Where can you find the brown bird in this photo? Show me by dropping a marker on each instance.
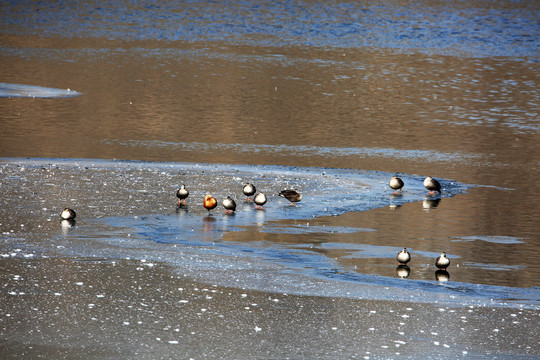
(403, 256)
(396, 184)
(209, 202)
(442, 261)
(291, 195)
(249, 190)
(259, 200)
(432, 185)
(182, 195)
(229, 204)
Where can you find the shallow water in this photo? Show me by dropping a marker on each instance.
(332, 98)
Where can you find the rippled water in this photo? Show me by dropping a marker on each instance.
(331, 97)
(500, 29)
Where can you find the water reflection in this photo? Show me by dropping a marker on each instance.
(67, 225)
(395, 197)
(182, 209)
(442, 275)
(209, 223)
(403, 271)
(260, 214)
(430, 203)
(230, 213)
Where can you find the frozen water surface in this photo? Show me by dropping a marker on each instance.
(99, 306)
(184, 281)
(492, 239)
(21, 90)
(128, 210)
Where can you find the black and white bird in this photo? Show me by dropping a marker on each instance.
(229, 204)
(260, 200)
(68, 214)
(182, 195)
(432, 185)
(403, 256)
(396, 184)
(249, 190)
(442, 261)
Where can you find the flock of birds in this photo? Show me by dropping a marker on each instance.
(210, 202)
(293, 196)
(403, 257)
(442, 262)
(429, 183)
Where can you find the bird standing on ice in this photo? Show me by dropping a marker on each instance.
(209, 202)
(249, 190)
(396, 184)
(260, 200)
(182, 195)
(432, 185)
(291, 195)
(229, 205)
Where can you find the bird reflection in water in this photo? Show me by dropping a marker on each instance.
(67, 225)
(395, 196)
(403, 271)
(398, 195)
(429, 203)
(208, 224)
(182, 209)
(442, 275)
(259, 217)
